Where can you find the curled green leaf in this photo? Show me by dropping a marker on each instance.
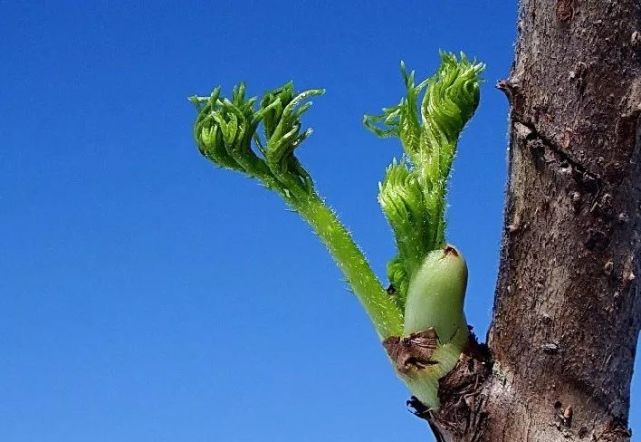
(412, 194)
(227, 133)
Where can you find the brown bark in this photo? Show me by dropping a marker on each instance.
(567, 310)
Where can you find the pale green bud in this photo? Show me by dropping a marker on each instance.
(436, 293)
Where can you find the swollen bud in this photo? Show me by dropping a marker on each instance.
(435, 331)
(436, 293)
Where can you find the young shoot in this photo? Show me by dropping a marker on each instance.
(428, 276)
(421, 323)
(259, 138)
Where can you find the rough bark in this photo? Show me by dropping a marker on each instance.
(567, 309)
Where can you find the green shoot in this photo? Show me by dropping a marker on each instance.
(412, 194)
(228, 132)
(428, 277)
(422, 326)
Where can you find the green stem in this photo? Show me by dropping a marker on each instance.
(384, 313)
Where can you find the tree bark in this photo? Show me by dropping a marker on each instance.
(567, 311)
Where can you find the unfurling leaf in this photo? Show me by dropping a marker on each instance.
(412, 194)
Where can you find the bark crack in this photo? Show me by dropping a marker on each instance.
(531, 135)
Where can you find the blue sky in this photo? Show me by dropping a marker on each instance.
(146, 295)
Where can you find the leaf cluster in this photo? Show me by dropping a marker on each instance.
(412, 194)
(228, 132)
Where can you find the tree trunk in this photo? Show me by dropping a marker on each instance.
(567, 311)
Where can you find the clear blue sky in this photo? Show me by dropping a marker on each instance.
(146, 295)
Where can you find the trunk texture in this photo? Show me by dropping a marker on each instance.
(567, 312)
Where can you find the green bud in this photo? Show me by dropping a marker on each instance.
(435, 332)
(436, 294)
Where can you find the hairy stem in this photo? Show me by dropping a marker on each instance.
(384, 313)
